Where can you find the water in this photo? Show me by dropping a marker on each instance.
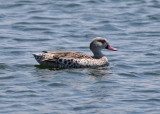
(129, 85)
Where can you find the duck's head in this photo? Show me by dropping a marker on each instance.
(98, 44)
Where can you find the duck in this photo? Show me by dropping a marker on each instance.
(68, 59)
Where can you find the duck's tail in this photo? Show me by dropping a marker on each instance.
(38, 56)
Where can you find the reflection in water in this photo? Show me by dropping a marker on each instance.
(97, 73)
(100, 72)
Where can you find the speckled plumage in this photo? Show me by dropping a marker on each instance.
(67, 59)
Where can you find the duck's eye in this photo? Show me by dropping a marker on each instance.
(103, 41)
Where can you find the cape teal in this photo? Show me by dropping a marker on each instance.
(67, 59)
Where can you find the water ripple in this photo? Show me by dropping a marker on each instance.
(130, 84)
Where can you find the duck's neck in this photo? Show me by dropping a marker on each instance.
(97, 54)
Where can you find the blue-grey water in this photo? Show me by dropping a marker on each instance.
(130, 84)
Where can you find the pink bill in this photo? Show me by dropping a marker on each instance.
(111, 48)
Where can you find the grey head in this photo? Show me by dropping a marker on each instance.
(99, 43)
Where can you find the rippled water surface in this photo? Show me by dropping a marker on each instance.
(130, 84)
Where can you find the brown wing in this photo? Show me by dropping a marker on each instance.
(55, 55)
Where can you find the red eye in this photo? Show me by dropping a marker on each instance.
(103, 41)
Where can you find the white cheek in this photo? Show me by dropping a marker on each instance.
(99, 44)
